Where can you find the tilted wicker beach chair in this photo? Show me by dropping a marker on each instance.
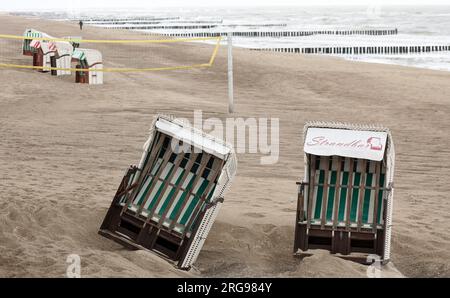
(88, 59)
(345, 200)
(169, 202)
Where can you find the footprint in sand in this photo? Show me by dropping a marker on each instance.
(254, 215)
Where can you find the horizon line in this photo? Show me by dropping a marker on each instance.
(59, 9)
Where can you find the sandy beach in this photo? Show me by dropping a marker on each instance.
(65, 146)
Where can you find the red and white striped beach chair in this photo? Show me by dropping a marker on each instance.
(42, 51)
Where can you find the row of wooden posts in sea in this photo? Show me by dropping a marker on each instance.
(174, 25)
(163, 27)
(112, 20)
(362, 50)
(282, 33)
(150, 22)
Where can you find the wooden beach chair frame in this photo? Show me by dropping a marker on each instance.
(168, 203)
(345, 200)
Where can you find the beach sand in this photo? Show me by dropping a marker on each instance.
(64, 148)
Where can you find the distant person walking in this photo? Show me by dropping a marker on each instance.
(81, 25)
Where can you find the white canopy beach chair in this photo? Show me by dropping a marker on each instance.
(345, 200)
(92, 60)
(48, 50)
(62, 58)
(169, 202)
(42, 51)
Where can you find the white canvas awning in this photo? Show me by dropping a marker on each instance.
(193, 137)
(348, 143)
(91, 56)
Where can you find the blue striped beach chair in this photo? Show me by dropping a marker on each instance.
(345, 200)
(168, 203)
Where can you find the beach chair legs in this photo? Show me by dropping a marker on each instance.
(341, 243)
(355, 246)
(135, 232)
(81, 77)
(300, 241)
(53, 72)
(38, 59)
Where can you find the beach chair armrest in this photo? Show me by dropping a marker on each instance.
(390, 186)
(96, 63)
(214, 202)
(301, 188)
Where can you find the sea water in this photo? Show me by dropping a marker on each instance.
(417, 25)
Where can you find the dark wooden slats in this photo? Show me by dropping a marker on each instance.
(377, 190)
(349, 192)
(325, 192)
(206, 192)
(312, 178)
(188, 169)
(203, 163)
(150, 163)
(165, 161)
(337, 191)
(361, 192)
(165, 183)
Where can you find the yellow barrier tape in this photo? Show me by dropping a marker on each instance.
(47, 68)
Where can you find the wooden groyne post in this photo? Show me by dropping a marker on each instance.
(363, 50)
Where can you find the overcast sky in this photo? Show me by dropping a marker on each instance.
(70, 4)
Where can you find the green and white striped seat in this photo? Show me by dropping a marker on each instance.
(176, 187)
(337, 200)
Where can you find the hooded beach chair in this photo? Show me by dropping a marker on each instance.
(169, 202)
(91, 60)
(62, 59)
(345, 200)
(43, 50)
(29, 34)
(48, 50)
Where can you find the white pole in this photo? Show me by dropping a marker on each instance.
(230, 73)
